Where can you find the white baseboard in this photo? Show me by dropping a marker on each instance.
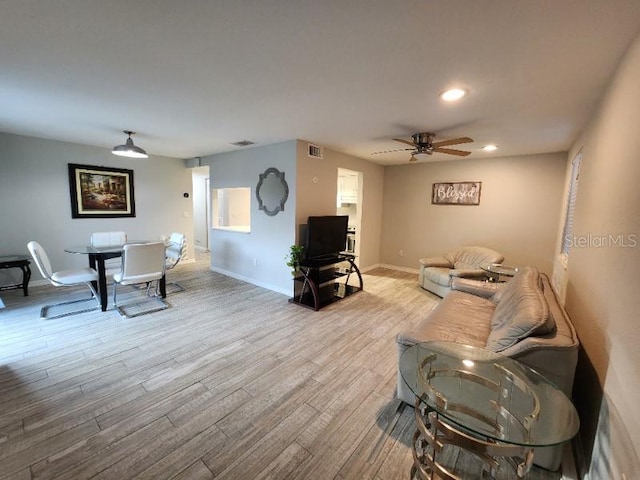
(391, 267)
(268, 286)
(288, 292)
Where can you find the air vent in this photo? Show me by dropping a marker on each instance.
(243, 143)
(314, 151)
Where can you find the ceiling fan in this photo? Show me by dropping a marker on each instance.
(423, 145)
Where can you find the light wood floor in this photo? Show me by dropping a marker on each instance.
(231, 382)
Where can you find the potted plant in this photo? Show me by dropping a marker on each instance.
(294, 257)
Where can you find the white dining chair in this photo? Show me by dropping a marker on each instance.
(176, 249)
(63, 278)
(142, 263)
(106, 239)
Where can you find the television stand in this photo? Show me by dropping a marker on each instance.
(316, 284)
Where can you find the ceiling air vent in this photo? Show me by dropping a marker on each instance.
(314, 151)
(243, 143)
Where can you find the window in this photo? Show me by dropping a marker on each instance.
(231, 209)
(567, 229)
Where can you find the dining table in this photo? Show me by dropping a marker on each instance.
(97, 257)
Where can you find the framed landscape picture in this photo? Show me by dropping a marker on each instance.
(99, 192)
(456, 193)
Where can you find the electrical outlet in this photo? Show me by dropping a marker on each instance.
(401, 253)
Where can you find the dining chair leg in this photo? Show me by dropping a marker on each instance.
(94, 296)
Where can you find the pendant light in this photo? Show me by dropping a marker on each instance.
(129, 149)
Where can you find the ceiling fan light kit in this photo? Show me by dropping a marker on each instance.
(129, 149)
(415, 156)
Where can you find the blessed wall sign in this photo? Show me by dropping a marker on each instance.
(456, 193)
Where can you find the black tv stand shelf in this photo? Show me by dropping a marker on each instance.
(316, 285)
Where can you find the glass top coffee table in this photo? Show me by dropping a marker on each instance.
(486, 403)
(496, 270)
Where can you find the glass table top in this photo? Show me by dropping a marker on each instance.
(89, 249)
(500, 269)
(488, 394)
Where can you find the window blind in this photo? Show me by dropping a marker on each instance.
(567, 229)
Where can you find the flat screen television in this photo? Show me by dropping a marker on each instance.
(326, 236)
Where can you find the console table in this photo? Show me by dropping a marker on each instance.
(316, 285)
(17, 261)
(486, 405)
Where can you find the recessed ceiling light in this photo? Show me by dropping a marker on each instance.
(489, 148)
(453, 94)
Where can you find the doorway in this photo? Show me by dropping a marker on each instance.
(349, 202)
(201, 208)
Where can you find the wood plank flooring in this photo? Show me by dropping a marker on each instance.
(231, 382)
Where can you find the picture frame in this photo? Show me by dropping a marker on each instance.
(456, 193)
(101, 192)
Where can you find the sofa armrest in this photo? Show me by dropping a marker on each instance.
(435, 262)
(468, 273)
(476, 287)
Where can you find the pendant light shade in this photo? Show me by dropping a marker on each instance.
(129, 149)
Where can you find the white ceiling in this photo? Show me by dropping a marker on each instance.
(192, 76)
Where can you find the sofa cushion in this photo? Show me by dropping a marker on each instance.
(464, 266)
(438, 275)
(460, 317)
(521, 311)
(473, 257)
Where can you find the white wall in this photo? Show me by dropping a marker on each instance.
(604, 278)
(35, 201)
(256, 257)
(517, 216)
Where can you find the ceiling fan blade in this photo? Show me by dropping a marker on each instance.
(391, 151)
(453, 141)
(402, 140)
(452, 151)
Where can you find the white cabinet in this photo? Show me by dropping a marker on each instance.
(348, 189)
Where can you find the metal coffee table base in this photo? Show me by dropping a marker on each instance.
(433, 434)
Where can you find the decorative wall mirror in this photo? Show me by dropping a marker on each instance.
(272, 191)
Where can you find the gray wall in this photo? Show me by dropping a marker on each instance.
(603, 279)
(258, 256)
(517, 216)
(34, 194)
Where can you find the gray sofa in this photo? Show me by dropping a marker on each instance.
(521, 319)
(437, 273)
